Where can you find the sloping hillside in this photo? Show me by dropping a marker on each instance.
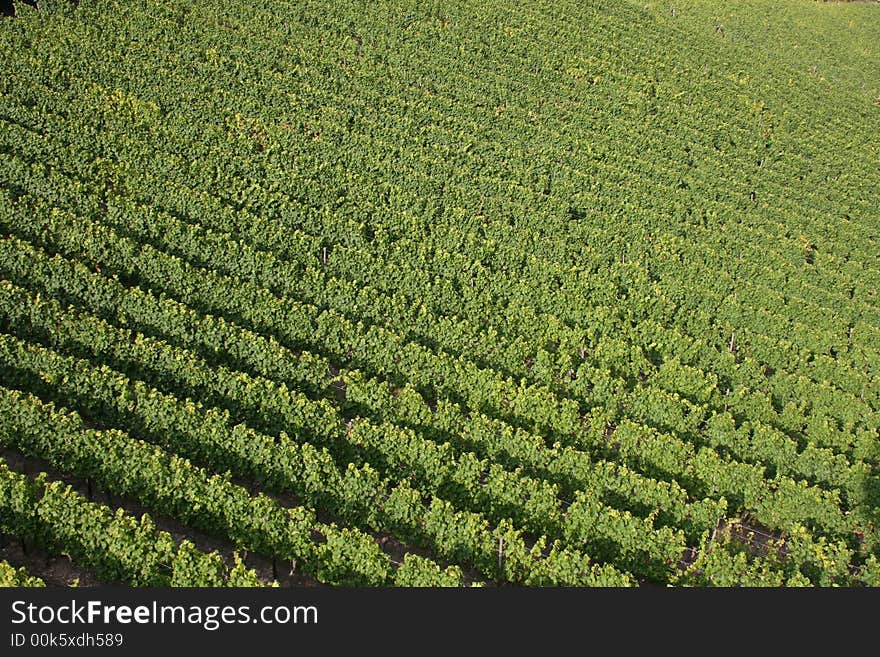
(440, 293)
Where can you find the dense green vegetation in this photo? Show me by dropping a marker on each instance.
(444, 293)
(10, 576)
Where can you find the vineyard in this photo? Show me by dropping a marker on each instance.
(440, 293)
